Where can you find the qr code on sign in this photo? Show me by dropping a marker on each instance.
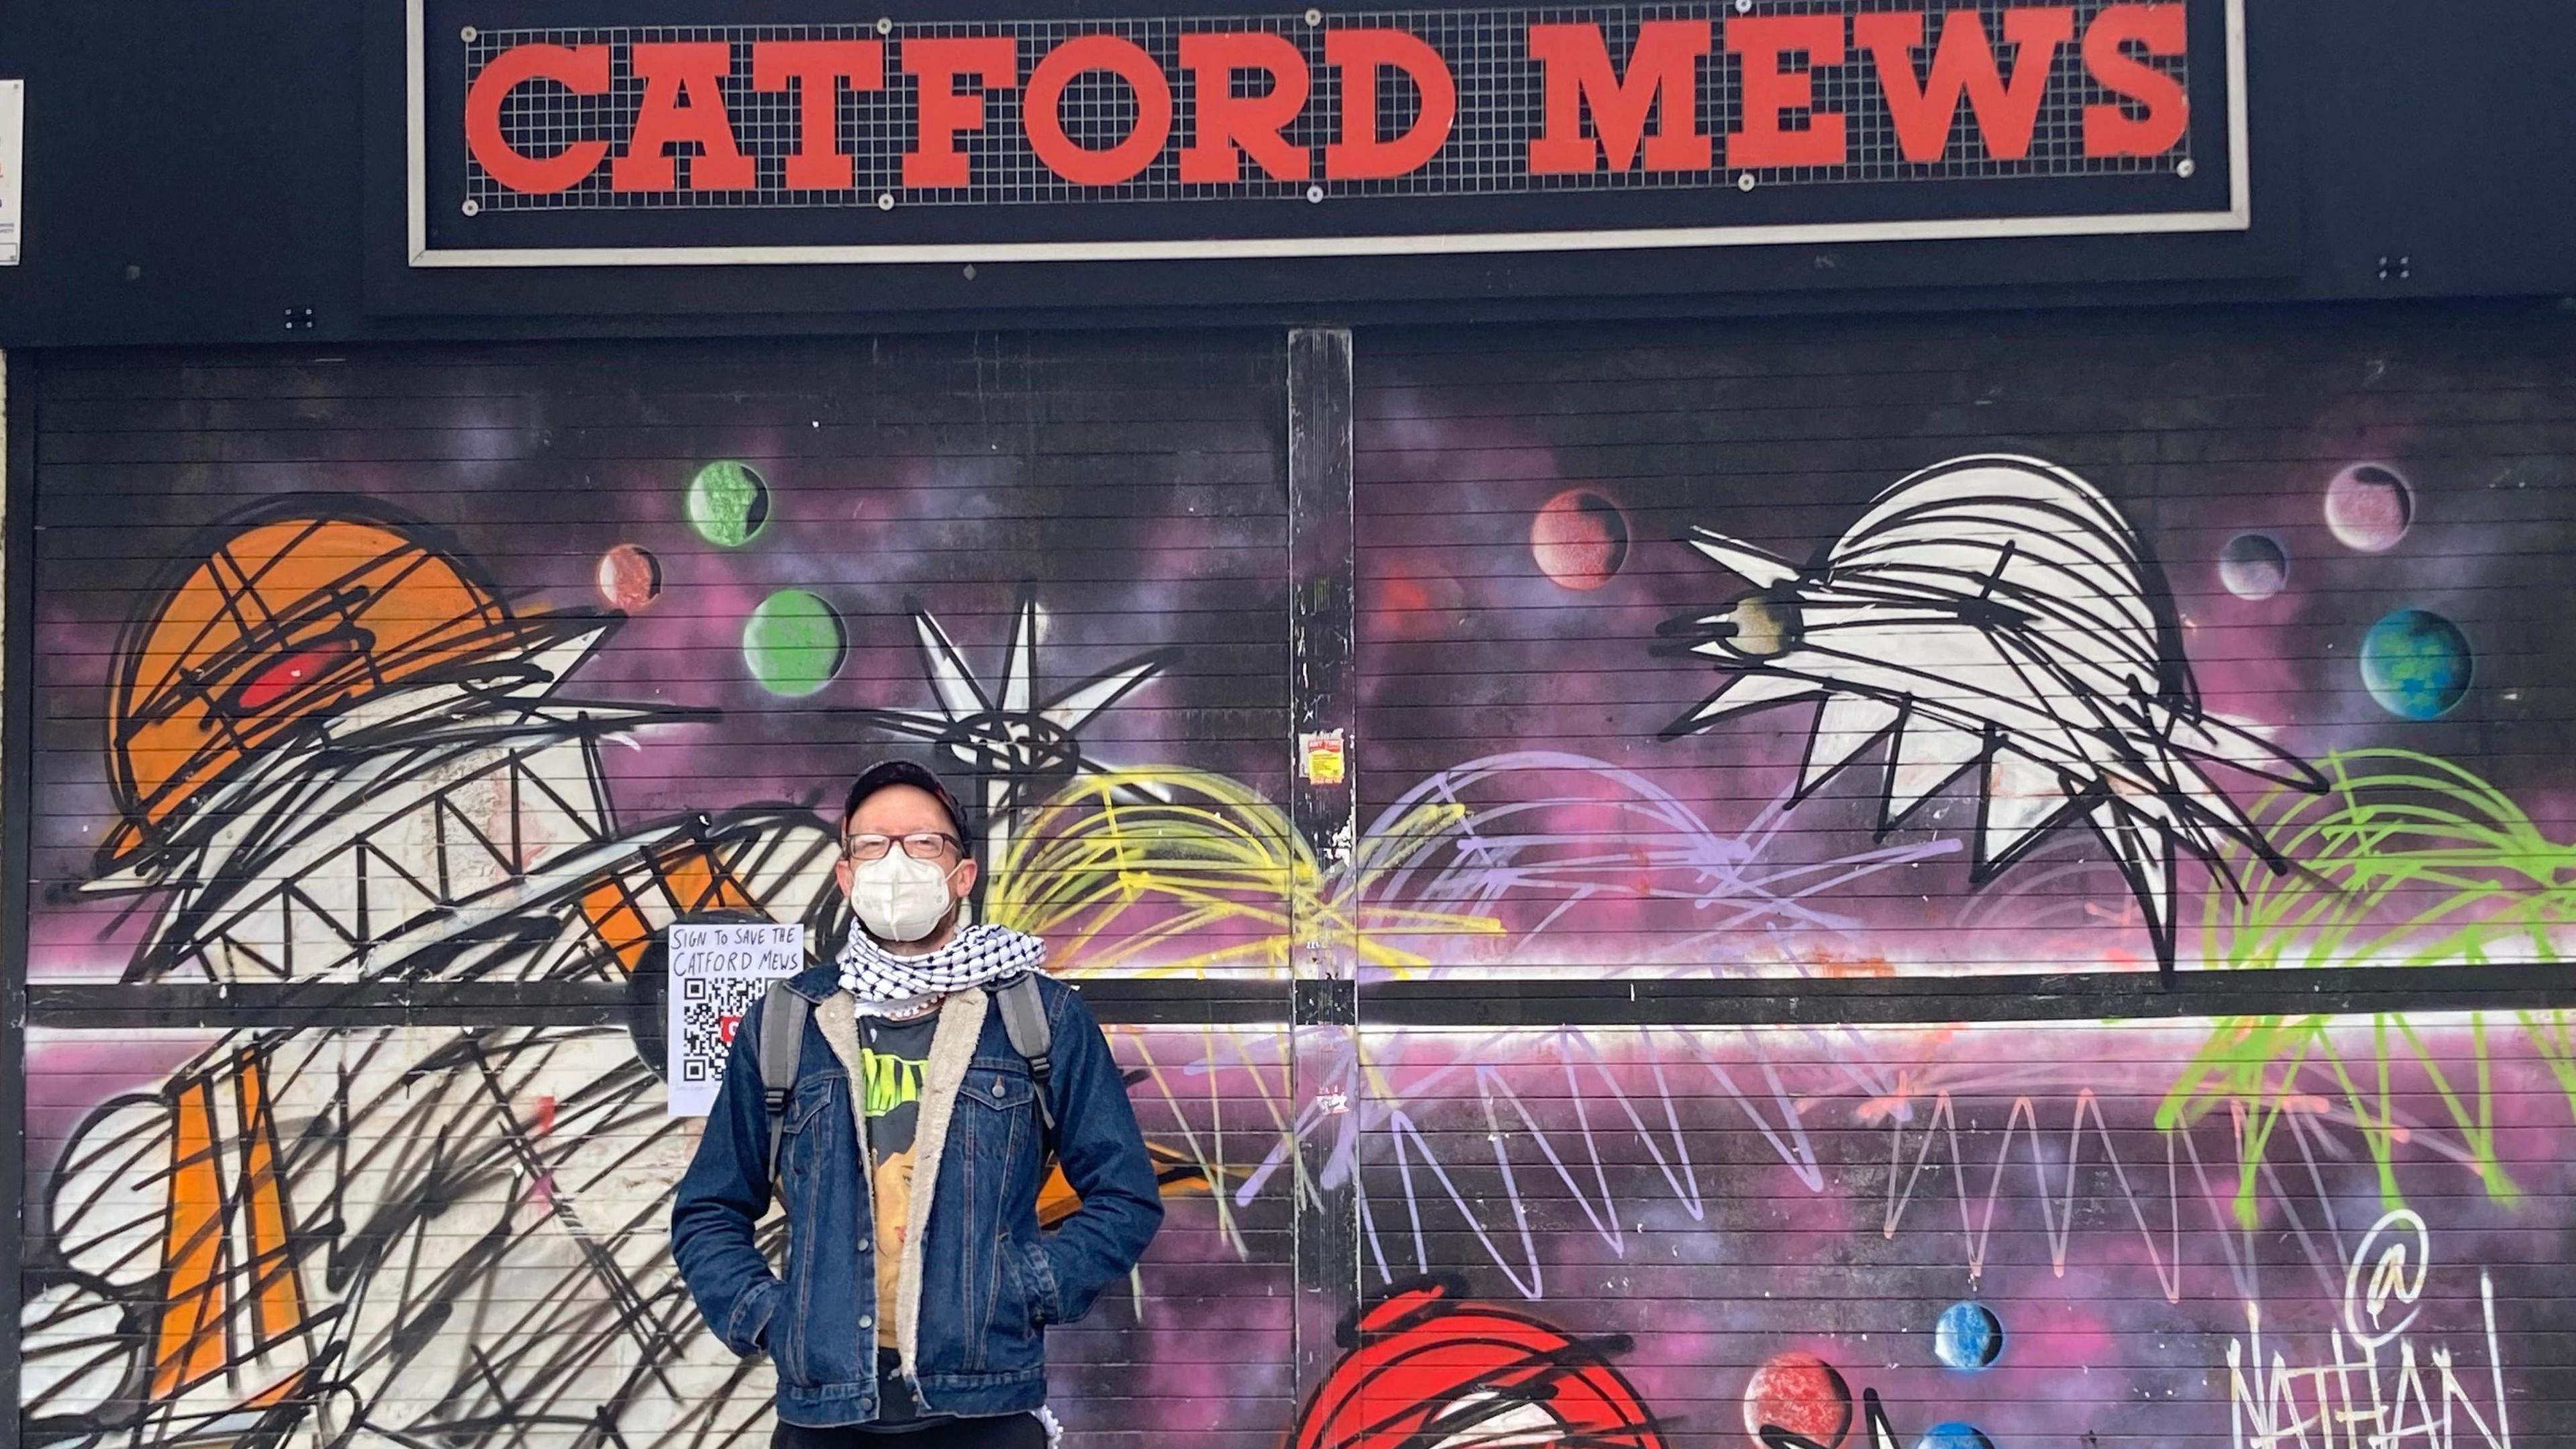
(717, 972)
(711, 1009)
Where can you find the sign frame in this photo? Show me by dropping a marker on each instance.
(421, 253)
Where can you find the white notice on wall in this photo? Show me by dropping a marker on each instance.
(13, 150)
(717, 972)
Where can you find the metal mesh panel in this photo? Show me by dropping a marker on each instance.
(1500, 98)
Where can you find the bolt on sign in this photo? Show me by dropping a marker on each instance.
(1435, 130)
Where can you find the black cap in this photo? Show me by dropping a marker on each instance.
(904, 772)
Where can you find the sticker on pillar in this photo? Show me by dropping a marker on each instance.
(13, 152)
(1322, 754)
(717, 972)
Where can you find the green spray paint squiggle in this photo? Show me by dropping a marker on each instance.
(2408, 860)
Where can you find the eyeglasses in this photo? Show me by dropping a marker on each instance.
(920, 845)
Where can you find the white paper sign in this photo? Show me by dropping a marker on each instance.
(717, 972)
(13, 150)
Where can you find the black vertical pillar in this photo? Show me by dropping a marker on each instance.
(17, 776)
(1323, 803)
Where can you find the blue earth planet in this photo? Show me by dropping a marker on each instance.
(2416, 663)
(1954, 1435)
(1969, 1336)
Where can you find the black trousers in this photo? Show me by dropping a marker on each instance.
(1010, 1431)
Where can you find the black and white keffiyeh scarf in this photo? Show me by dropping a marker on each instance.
(975, 955)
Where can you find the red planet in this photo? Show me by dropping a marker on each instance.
(1579, 539)
(629, 577)
(1801, 1393)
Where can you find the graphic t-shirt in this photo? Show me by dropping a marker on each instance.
(892, 1056)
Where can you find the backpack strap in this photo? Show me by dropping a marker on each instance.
(782, 1041)
(1024, 1020)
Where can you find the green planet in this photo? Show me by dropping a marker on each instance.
(2416, 663)
(794, 643)
(728, 503)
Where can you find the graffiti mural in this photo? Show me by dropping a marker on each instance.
(1429, 1367)
(352, 757)
(1684, 660)
(343, 757)
(1993, 615)
(1953, 664)
(1857, 1236)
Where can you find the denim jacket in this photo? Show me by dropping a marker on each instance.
(982, 1282)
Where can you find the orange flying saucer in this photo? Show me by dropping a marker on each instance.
(292, 618)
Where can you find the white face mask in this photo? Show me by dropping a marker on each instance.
(900, 899)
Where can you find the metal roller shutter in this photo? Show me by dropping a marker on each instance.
(1710, 1081)
(389, 703)
(1777, 1049)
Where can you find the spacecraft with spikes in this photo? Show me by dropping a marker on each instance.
(1995, 617)
(1018, 750)
(340, 758)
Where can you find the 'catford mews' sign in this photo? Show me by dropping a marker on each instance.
(538, 139)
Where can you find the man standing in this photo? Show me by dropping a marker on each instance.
(910, 1146)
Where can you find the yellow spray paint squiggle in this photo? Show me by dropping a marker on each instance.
(1167, 871)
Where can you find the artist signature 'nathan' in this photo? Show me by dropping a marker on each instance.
(2373, 1395)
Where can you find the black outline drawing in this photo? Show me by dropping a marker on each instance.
(1995, 614)
(1018, 750)
(393, 1232)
